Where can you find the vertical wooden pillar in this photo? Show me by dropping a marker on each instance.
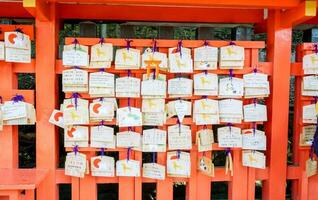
(278, 52)
(46, 94)
(9, 135)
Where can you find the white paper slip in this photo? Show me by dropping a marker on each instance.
(311, 167)
(253, 159)
(206, 166)
(75, 164)
(14, 110)
(205, 84)
(56, 118)
(75, 55)
(256, 85)
(253, 139)
(204, 140)
(75, 80)
(255, 113)
(180, 87)
(205, 58)
(129, 116)
(127, 139)
(76, 136)
(17, 55)
(17, 40)
(127, 58)
(231, 111)
(128, 168)
(232, 57)
(307, 135)
(171, 108)
(154, 88)
(206, 111)
(103, 166)
(153, 105)
(127, 87)
(102, 52)
(149, 55)
(231, 87)
(229, 137)
(102, 84)
(101, 110)
(178, 164)
(179, 137)
(153, 171)
(310, 64)
(154, 140)
(75, 111)
(102, 133)
(309, 114)
(180, 62)
(1, 50)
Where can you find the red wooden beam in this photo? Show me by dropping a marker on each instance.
(305, 11)
(159, 13)
(13, 10)
(38, 9)
(27, 29)
(194, 3)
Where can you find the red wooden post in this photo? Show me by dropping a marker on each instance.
(278, 52)
(46, 95)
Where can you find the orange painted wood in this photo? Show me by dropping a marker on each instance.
(140, 13)
(278, 52)
(21, 179)
(46, 95)
(202, 3)
(27, 29)
(9, 135)
(13, 10)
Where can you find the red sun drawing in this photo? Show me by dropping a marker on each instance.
(71, 131)
(96, 162)
(70, 106)
(248, 132)
(96, 108)
(11, 38)
(57, 116)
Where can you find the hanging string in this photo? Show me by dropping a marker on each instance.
(128, 43)
(75, 96)
(232, 43)
(101, 41)
(101, 99)
(17, 98)
(1, 101)
(154, 46)
(254, 128)
(206, 43)
(178, 154)
(129, 72)
(75, 42)
(102, 151)
(75, 149)
(102, 69)
(255, 102)
(128, 153)
(153, 157)
(231, 73)
(19, 30)
(316, 48)
(179, 47)
(255, 70)
(102, 123)
(154, 74)
(129, 104)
